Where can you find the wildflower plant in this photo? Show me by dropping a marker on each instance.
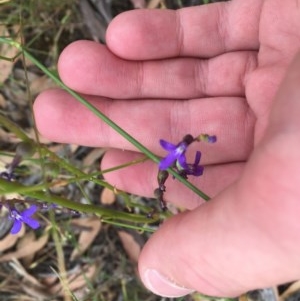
(176, 159)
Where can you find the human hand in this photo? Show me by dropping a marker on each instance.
(237, 54)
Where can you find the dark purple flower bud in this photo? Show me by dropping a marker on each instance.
(162, 177)
(188, 139)
(212, 139)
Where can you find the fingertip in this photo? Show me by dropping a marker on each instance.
(162, 285)
(77, 64)
(44, 111)
(165, 266)
(204, 250)
(118, 34)
(142, 34)
(160, 263)
(67, 60)
(60, 118)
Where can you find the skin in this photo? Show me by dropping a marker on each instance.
(221, 69)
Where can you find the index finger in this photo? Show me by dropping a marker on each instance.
(203, 31)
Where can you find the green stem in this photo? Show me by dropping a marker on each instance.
(134, 227)
(86, 208)
(9, 125)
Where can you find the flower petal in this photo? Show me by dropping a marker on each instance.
(16, 227)
(167, 162)
(182, 161)
(29, 211)
(197, 171)
(197, 158)
(31, 222)
(167, 145)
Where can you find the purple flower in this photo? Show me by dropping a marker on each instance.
(191, 169)
(23, 217)
(176, 152)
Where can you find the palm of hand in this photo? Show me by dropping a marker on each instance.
(279, 36)
(247, 47)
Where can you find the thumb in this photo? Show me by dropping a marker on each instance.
(247, 237)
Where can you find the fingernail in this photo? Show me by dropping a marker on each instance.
(162, 286)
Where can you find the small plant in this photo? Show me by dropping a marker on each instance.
(177, 159)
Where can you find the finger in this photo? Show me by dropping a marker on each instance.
(141, 179)
(203, 31)
(91, 68)
(248, 230)
(60, 118)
